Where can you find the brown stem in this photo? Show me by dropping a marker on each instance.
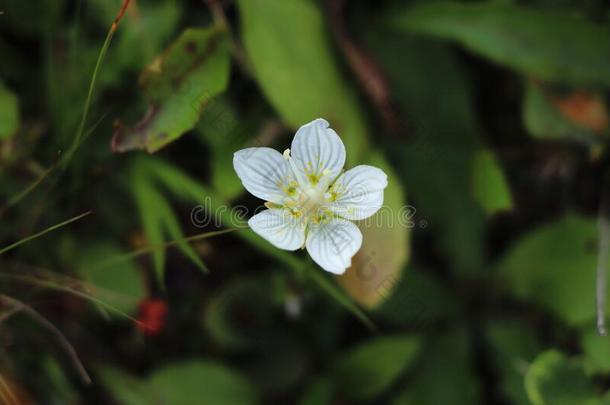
(63, 341)
(220, 19)
(368, 73)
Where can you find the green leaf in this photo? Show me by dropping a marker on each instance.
(554, 266)
(293, 61)
(544, 121)
(418, 301)
(179, 85)
(124, 387)
(370, 368)
(9, 113)
(548, 45)
(158, 218)
(194, 382)
(554, 379)
(489, 184)
(596, 350)
(512, 346)
(319, 392)
(122, 279)
(225, 132)
(445, 375)
(199, 382)
(437, 160)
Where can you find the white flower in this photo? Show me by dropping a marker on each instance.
(311, 202)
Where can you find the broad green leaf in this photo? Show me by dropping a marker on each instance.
(122, 280)
(319, 392)
(179, 84)
(554, 379)
(437, 159)
(370, 368)
(200, 382)
(489, 184)
(596, 350)
(444, 376)
(512, 346)
(293, 61)
(378, 265)
(545, 121)
(546, 44)
(9, 113)
(418, 300)
(186, 383)
(554, 266)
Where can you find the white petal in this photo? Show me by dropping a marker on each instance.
(280, 228)
(332, 245)
(318, 152)
(359, 192)
(263, 172)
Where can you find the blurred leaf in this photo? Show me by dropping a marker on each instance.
(378, 265)
(577, 115)
(194, 382)
(418, 301)
(158, 218)
(546, 44)
(370, 368)
(281, 361)
(179, 84)
(489, 184)
(596, 350)
(511, 347)
(226, 132)
(554, 379)
(445, 375)
(542, 120)
(145, 31)
(237, 314)
(62, 391)
(125, 388)
(122, 279)
(9, 113)
(555, 266)
(296, 69)
(200, 382)
(436, 163)
(31, 18)
(319, 392)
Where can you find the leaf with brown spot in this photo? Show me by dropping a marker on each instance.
(178, 85)
(587, 110)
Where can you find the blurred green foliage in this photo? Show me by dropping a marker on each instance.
(489, 117)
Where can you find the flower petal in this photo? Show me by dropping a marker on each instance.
(280, 228)
(318, 152)
(332, 245)
(263, 172)
(359, 192)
